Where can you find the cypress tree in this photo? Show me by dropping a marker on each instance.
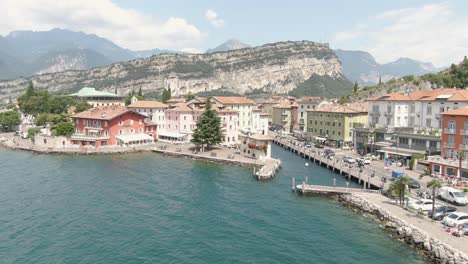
(355, 89)
(208, 130)
(140, 92)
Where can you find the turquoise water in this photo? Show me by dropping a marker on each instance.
(148, 208)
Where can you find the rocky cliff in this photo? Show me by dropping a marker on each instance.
(274, 68)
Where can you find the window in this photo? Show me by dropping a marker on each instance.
(77, 121)
(451, 139)
(106, 133)
(403, 141)
(131, 122)
(428, 122)
(389, 109)
(185, 117)
(140, 130)
(450, 171)
(452, 124)
(412, 108)
(436, 168)
(105, 124)
(120, 132)
(121, 124)
(429, 110)
(433, 144)
(411, 121)
(465, 126)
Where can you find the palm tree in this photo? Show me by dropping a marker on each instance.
(398, 187)
(434, 184)
(461, 156)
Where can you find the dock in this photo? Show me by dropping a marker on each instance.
(338, 166)
(308, 189)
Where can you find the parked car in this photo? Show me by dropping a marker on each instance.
(441, 211)
(318, 145)
(452, 195)
(349, 160)
(422, 205)
(465, 228)
(414, 184)
(329, 152)
(364, 160)
(455, 219)
(346, 148)
(308, 146)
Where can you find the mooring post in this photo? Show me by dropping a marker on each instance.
(293, 184)
(334, 182)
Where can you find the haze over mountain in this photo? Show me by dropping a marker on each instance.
(362, 67)
(230, 44)
(36, 52)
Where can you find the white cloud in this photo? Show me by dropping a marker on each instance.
(126, 27)
(192, 50)
(428, 33)
(213, 18)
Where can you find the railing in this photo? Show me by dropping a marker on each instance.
(449, 145)
(88, 136)
(463, 132)
(449, 130)
(463, 147)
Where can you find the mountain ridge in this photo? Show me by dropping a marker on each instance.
(275, 68)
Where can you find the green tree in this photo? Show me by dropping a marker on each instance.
(63, 129)
(166, 95)
(30, 90)
(434, 184)
(9, 119)
(82, 106)
(140, 93)
(380, 80)
(356, 87)
(398, 187)
(59, 104)
(190, 96)
(115, 90)
(208, 130)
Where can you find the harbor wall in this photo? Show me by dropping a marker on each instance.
(424, 243)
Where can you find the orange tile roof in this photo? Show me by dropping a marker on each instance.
(148, 104)
(232, 100)
(182, 107)
(433, 95)
(459, 112)
(103, 112)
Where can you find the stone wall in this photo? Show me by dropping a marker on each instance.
(432, 248)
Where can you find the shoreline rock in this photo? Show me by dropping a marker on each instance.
(434, 249)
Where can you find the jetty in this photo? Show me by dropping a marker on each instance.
(338, 166)
(308, 189)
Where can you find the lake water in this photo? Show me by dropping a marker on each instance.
(149, 208)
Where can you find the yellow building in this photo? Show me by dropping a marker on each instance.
(334, 124)
(282, 117)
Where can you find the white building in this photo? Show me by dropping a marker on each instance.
(303, 104)
(242, 105)
(420, 110)
(154, 110)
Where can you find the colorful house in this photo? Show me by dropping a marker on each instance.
(153, 110)
(112, 125)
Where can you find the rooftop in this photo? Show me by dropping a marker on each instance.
(456, 95)
(232, 100)
(148, 104)
(458, 112)
(103, 112)
(91, 92)
(345, 109)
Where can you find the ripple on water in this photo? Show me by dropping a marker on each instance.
(147, 208)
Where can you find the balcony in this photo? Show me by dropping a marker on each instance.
(88, 137)
(463, 132)
(375, 113)
(450, 130)
(463, 147)
(449, 145)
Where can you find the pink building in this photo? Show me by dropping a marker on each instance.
(181, 120)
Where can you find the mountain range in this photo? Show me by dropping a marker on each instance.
(362, 67)
(294, 67)
(26, 53)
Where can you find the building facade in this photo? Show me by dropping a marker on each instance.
(111, 125)
(153, 110)
(334, 124)
(255, 146)
(303, 105)
(282, 117)
(242, 105)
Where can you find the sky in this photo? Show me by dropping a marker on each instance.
(430, 31)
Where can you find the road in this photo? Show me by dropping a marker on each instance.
(380, 171)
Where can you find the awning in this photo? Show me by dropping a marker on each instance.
(133, 137)
(165, 133)
(395, 152)
(320, 138)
